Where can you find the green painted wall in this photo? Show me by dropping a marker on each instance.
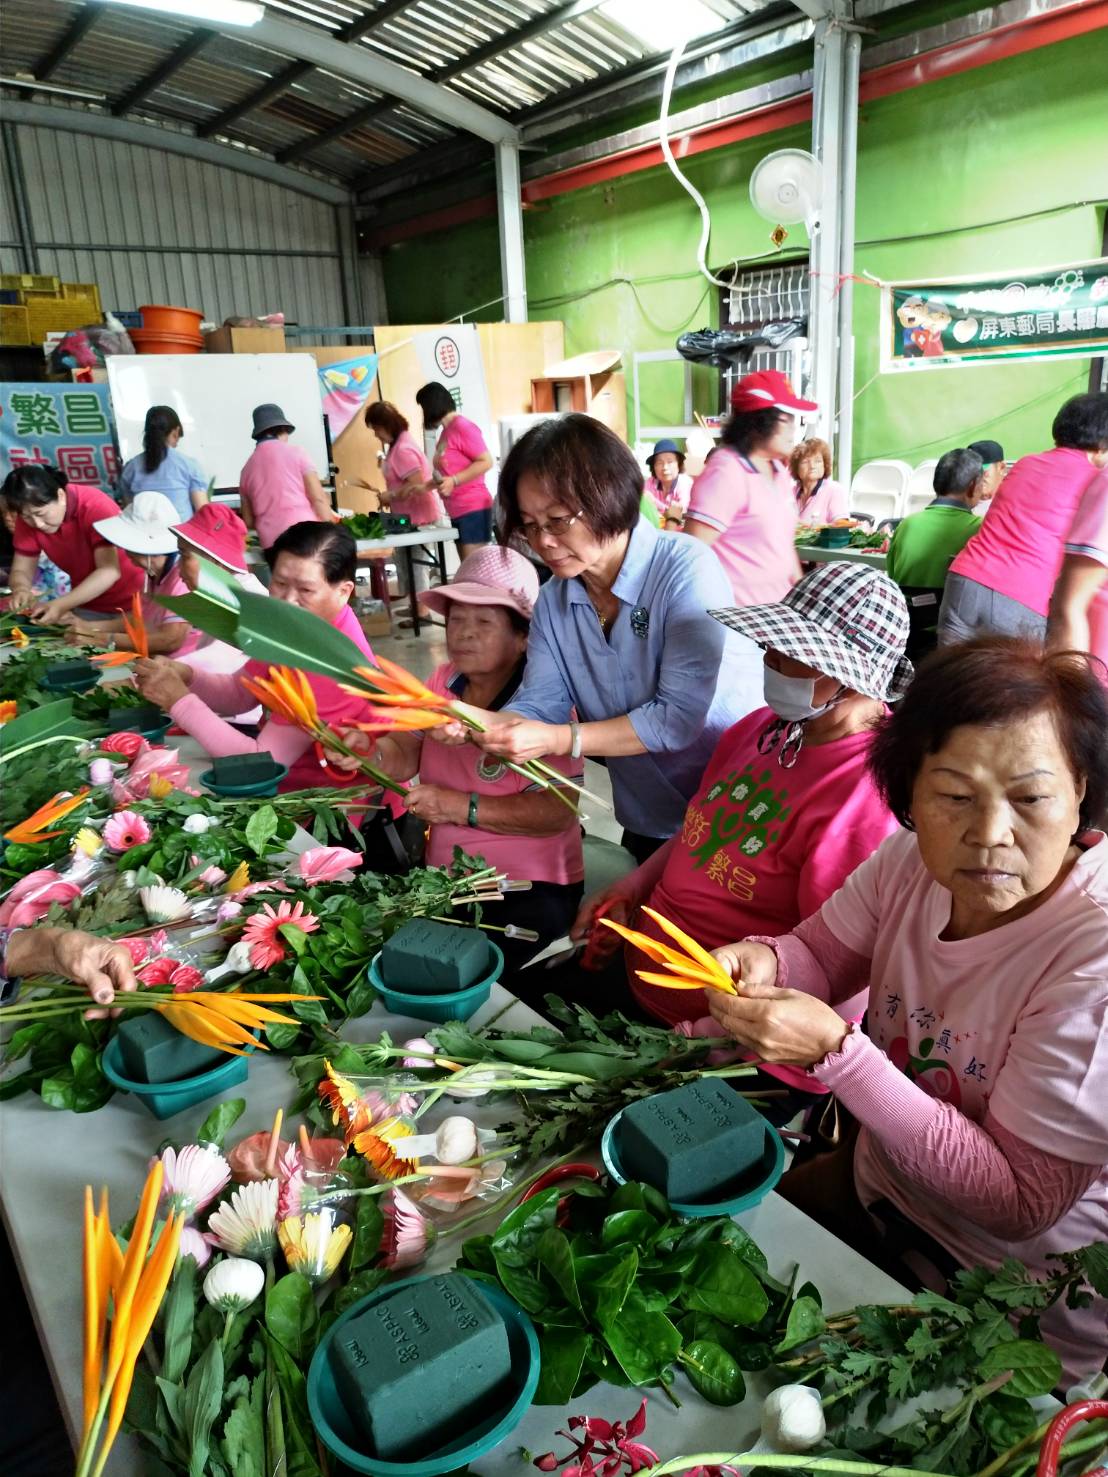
(1002, 167)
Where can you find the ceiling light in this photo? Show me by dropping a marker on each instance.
(221, 12)
(662, 24)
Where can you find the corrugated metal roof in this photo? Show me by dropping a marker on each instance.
(473, 47)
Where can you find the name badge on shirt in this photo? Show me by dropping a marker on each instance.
(640, 621)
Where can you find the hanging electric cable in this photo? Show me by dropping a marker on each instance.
(685, 183)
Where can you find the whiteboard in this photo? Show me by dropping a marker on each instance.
(214, 394)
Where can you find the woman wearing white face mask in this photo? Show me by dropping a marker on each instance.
(785, 810)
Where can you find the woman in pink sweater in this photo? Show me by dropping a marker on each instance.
(312, 566)
(981, 929)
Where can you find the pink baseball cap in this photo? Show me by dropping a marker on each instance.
(218, 533)
(491, 575)
(767, 389)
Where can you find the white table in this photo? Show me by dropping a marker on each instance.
(48, 1157)
(813, 554)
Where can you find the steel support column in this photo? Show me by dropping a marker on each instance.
(827, 121)
(509, 210)
(13, 164)
(852, 61)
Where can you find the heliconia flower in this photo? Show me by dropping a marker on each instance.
(194, 1176)
(126, 829)
(267, 948)
(287, 693)
(196, 825)
(246, 1225)
(8, 710)
(32, 896)
(228, 910)
(130, 745)
(328, 864)
(238, 878)
(212, 876)
(407, 1235)
(101, 772)
(31, 830)
(196, 1245)
(163, 904)
(86, 841)
(138, 949)
(314, 1244)
(233, 1284)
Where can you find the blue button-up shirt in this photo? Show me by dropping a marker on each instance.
(680, 676)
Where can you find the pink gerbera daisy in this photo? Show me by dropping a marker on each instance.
(126, 829)
(262, 932)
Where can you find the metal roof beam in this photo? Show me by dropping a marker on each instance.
(161, 73)
(154, 136)
(505, 42)
(281, 81)
(71, 37)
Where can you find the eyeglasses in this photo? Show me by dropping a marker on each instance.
(556, 527)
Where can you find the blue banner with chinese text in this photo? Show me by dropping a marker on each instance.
(68, 425)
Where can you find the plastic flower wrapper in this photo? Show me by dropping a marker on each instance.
(408, 1235)
(314, 1243)
(33, 896)
(356, 1107)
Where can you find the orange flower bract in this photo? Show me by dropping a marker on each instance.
(32, 830)
(691, 966)
(135, 628)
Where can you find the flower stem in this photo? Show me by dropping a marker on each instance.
(796, 1461)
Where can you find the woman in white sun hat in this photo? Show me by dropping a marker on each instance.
(472, 799)
(146, 531)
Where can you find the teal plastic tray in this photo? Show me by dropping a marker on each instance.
(163, 1099)
(458, 1005)
(231, 792)
(341, 1437)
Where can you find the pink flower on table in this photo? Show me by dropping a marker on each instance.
(161, 762)
(212, 876)
(127, 744)
(32, 896)
(228, 910)
(138, 949)
(159, 941)
(407, 1235)
(252, 887)
(101, 772)
(601, 1447)
(125, 829)
(194, 1176)
(328, 864)
(183, 977)
(267, 947)
(195, 1244)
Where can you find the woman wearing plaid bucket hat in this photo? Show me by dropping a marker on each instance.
(785, 810)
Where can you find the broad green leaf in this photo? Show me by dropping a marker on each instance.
(713, 1372)
(220, 1121)
(1093, 1261)
(283, 635)
(528, 1291)
(207, 615)
(806, 1321)
(722, 1284)
(562, 1352)
(180, 1312)
(369, 1223)
(515, 1241)
(645, 1344)
(41, 723)
(627, 1227)
(610, 1290)
(203, 1397)
(552, 1252)
(1005, 1419)
(290, 1315)
(219, 584)
(262, 826)
(1035, 1367)
(360, 1286)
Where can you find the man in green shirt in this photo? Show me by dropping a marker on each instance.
(924, 545)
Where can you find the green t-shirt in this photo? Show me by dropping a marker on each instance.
(923, 545)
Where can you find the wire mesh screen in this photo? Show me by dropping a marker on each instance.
(755, 298)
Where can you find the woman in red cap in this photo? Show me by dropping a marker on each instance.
(743, 502)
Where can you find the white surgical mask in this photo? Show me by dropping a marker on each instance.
(791, 697)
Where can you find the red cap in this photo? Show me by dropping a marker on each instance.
(767, 389)
(218, 533)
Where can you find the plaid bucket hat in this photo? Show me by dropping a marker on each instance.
(845, 620)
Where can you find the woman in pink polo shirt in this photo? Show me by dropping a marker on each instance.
(471, 799)
(58, 519)
(407, 471)
(819, 499)
(312, 566)
(461, 460)
(1002, 581)
(279, 486)
(978, 930)
(743, 502)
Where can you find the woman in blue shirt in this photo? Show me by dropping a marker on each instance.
(624, 662)
(162, 468)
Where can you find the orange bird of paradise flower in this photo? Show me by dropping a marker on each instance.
(691, 966)
(30, 831)
(8, 710)
(135, 1283)
(227, 1021)
(287, 693)
(135, 627)
(19, 637)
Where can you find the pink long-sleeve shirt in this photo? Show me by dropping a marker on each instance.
(982, 1086)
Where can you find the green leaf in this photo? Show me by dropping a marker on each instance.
(360, 1286)
(552, 1252)
(284, 635)
(180, 1311)
(1005, 1419)
(244, 1434)
(562, 1351)
(41, 723)
(1093, 1261)
(369, 1224)
(722, 1284)
(806, 1322)
(744, 1246)
(1035, 1367)
(262, 826)
(200, 1406)
(713, 1372)
(211, 617)
(517, 1237)
(220, 1121)
(528, 1291)
(290, 1315)
(611, 1289)
(645, 1344)
(992, 1327)
(627, 1227)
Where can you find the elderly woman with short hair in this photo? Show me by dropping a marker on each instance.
(982, 931)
